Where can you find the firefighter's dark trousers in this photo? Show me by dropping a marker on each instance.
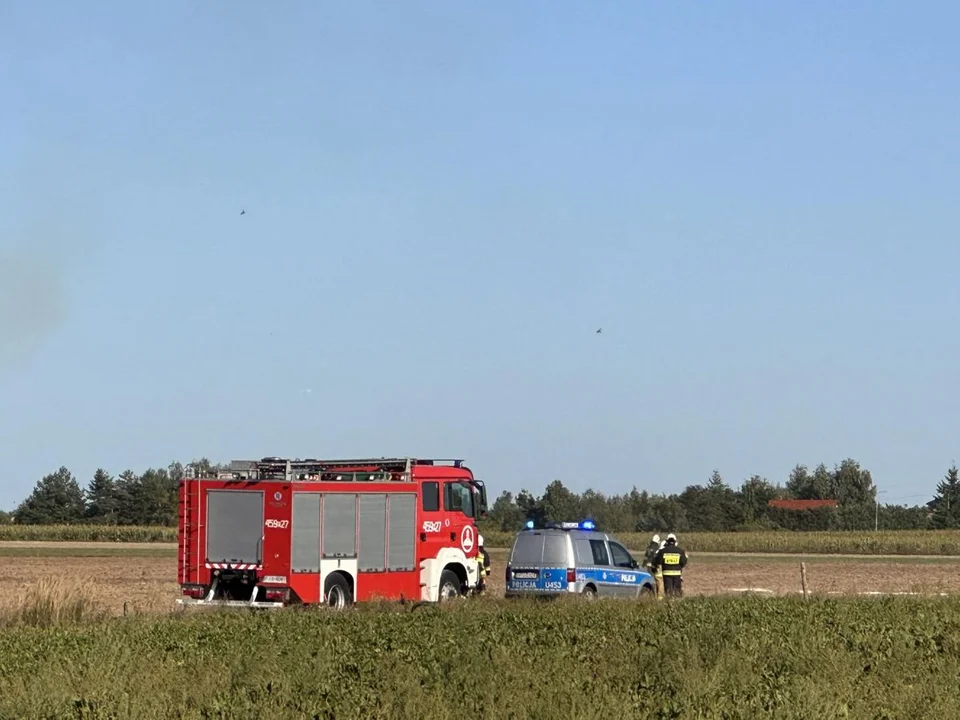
(672, 585)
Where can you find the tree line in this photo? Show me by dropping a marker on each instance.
(150, 498)
(715, 506)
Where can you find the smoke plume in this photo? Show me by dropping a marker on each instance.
(32, 300)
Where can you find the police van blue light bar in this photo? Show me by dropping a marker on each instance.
(582, 525)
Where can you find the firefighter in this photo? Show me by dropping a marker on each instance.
(648, 558)
(483, 562)
(651, 552)
(670, 560)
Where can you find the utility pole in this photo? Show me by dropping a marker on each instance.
(876, 515)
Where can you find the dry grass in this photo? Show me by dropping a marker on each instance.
(34, 588)
(54, 601)
(145, 585)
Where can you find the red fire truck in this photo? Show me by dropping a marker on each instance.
(274, 532)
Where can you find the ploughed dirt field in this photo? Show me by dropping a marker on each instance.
(143, 577)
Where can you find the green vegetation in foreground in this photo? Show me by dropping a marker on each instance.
(699, 657)
(883, 542)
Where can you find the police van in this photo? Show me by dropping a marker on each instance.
(573, 557)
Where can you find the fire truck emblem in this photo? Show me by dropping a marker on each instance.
(278, 496)
(467, 539)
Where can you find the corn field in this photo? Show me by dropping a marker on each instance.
(87, 533)
(884, 542)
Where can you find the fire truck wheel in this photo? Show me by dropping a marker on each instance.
(449, 585)
(338, 592)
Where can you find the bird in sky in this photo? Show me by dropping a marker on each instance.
(599, 330)
(243, 212)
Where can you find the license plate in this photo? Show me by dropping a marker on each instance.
(526, 575)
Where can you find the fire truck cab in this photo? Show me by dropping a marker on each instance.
(274, 532)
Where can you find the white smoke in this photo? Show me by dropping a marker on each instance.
(33, 300)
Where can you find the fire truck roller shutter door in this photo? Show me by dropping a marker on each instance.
(339, 525)
(234, 526)
(338, 548)
(305, 550)
(401, 545)
(373, 532)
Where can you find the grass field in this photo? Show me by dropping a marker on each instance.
(699, 657)
(884, 542)
(141, 578)
(721, 652)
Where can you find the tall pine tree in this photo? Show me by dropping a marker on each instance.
(946, 504)
(101, 498)
(56, 500)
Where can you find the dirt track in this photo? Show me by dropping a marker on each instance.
(148, 584)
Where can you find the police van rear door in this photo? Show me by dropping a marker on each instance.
(538, 563)
(524, 562)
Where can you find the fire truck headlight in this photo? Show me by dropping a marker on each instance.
(529, 525)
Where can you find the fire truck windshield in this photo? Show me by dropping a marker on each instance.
(480, 499)
(459, 496)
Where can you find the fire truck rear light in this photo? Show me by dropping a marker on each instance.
(194, 591)
(571, 575)
(277, 594)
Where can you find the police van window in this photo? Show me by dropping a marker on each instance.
(555, 550)
(458, 497)
(621, 558)
(584, 551)
(528, 550)
(431, 496)
(599, 549)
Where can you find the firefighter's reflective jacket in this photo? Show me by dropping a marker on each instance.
(483, 561)
(671, 559)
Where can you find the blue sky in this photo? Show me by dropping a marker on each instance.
(756, 202)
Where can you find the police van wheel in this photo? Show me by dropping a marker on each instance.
(590, 593)
(647, 593)
(449, 585)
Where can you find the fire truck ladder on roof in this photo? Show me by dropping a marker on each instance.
(275, 468)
